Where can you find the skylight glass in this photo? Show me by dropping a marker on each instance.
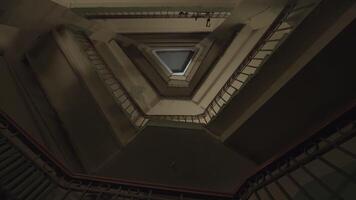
(175, 60)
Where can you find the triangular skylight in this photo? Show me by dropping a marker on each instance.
(175, 60)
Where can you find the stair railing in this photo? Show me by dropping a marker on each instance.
(311, 164)
(276, 34)
(128, 105)
(122, 14)
(29, 171)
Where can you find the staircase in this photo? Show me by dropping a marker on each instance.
(28, 171)
(20, 178)
(326, 161)
(122, 98)
(321, 167)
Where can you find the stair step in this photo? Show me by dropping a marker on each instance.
(28, 185)
(115, 86)
(4, 148)
(110, 81)
(91, 53)
(3, 141)
(97, 62)
(100, 66)
(93, 57)
(8, 154)
(5, 161)
(11, 171)
(48, 191)
(85, 43)
(22, 178)
(81, 39)
(103, 71)
(86, 46)
(39, 192)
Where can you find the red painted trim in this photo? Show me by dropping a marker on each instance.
(41, 148)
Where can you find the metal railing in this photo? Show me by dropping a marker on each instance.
(155, 14)
(265, 47)
(136, 116)
(29, 171)
(319, 168)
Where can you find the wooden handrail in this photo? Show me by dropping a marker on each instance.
(35, 146)
(339, 119)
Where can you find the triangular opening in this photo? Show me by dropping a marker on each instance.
(175, 61)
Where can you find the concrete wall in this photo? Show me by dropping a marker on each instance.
(89, 133)
(12, 101)
(7, 36)
(324, 88)
(88, 73)
(23, 100)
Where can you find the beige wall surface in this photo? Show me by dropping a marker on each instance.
(76, 108)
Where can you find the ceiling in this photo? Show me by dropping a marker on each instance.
(228, 47)
(142, 54)
(179, 157)
(185, 157)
